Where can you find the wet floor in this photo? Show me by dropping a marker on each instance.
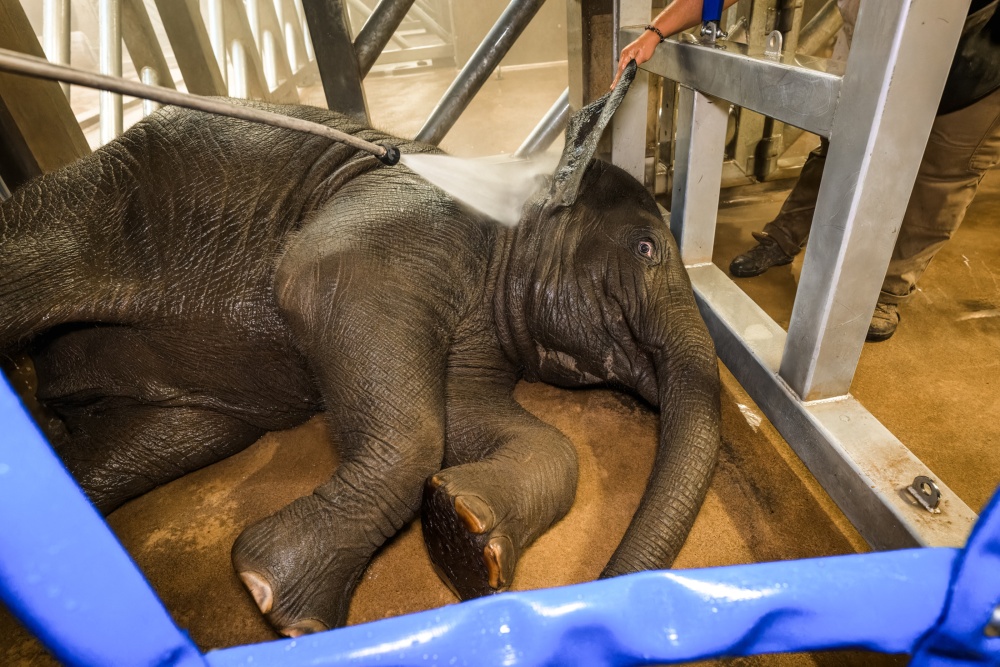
(934, 385)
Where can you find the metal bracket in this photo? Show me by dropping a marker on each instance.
(927, 493)
(774, 43)
(711, 33)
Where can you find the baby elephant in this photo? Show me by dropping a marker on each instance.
(203, 280)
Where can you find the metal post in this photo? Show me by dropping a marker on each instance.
(150, 78)
(550, 127)
(217, 34)
(481, 64)
(377, 30)
(894, 78)
(268, 54)
(238, 83)
(335, 56)
(628, 131)
(110, 17)
(701, 143)
(253, 18)
(56, 33)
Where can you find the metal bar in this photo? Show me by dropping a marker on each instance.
(548, 129)
(701, 143)
(110, 20)
(149, 77)
(12, 61)
(377, 30)
(217, 35)
(249, 71)
(192, 47)
(858, 461)
(481, 64)
(288, 17)
(364, 11)
(63, 572)
(335, 55)
(238, 82)
(56, 33)
(271, 24)
(895, 74)
(142, 44)
(805, 97)
(628, 127)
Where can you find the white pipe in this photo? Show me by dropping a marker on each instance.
(269, 56)
(110, 20)
(150, 78)
(217, 34)
(56, 33)
(238, 85)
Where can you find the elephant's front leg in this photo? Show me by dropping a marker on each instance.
(380, 362)
(508, 478)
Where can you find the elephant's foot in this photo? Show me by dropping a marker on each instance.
(465, 536)
(299, 569)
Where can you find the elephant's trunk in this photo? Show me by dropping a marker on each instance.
(688, 386)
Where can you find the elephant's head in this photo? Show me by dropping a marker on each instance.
(598, 280)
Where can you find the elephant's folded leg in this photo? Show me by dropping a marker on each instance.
(479, 517)
(119, 453)
(379, 358)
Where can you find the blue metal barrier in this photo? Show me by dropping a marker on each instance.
(66, 577)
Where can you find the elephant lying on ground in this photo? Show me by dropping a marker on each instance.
(203, 280)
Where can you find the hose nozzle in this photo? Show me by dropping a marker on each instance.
(391, 155)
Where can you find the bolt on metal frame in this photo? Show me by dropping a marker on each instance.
(878, 117)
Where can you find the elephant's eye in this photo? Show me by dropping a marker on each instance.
(646, 248)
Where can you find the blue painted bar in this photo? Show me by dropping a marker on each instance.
(961, 638)
(711, 10)
(62, 572)
(881, 602)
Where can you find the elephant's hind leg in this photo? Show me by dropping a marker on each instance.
(479, 515)
(120, 453)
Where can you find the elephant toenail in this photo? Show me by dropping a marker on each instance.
(474, 513)
(306, 626)
(498, 555)
(434, 482)
(259, 589)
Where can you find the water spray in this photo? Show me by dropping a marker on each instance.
(19, 63)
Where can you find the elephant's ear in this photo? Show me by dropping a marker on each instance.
(582, 134)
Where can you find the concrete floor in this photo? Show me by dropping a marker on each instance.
(934, 385)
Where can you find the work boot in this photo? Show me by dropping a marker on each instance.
(760, 258)
(884, 322)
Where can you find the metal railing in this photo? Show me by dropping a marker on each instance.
(878, 116)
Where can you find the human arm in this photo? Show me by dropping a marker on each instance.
(677, 16)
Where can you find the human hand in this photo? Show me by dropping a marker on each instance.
(640, 51)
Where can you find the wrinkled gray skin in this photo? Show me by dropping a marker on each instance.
(203, 280)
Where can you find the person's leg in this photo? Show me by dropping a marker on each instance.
(784, 236)
(962, 146)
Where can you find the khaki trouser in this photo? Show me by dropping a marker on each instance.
(962, 146)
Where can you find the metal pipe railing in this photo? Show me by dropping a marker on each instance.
(378, 30)
(487, 56)
(110, 19)
(548, 129)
